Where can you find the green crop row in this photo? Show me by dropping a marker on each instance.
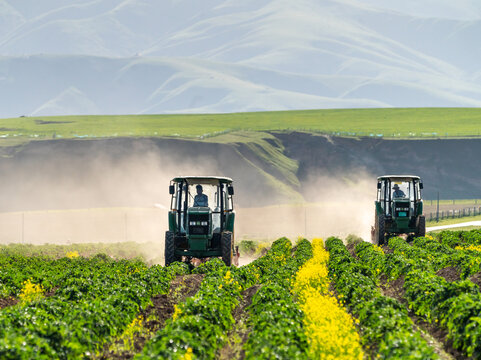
(468, 262)
(276, 326)
(200, 325)
(16, 269)
(119, 250)
(57, 274)
(428, 254)
(93, 304)
(275, 318)
(459, 238)
(385, 324)
(454, 306)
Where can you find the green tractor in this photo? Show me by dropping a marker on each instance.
(399, 207)
(201, 220)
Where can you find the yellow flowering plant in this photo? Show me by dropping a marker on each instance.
(30, 292)
(72, 254)
(330, 330)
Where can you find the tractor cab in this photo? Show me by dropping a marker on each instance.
(399, 207)
(201, 219)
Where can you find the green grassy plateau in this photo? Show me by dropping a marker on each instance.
(387, 123)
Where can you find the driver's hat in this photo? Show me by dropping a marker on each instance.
(396, 186)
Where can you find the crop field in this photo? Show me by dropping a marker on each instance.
(308, 300)
(388, 123)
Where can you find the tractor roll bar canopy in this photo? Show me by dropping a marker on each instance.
(406, 178)
(211, 180)
(399, 177)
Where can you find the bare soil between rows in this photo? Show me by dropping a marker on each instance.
(11, 301)
(239, 334)
(156, 315)
(351, 247)
(8, 301)
(449, 274)
(476, 278)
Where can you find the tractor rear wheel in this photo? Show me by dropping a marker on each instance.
(380, 230)
(421, 226)
(169, 251)
(227, 248)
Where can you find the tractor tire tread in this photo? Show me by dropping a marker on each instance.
(227, 248)
(169, 250)
(380, 234)
(421, 226)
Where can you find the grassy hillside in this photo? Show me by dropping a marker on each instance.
(389, 123)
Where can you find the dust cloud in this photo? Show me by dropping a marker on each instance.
(335, 206)
(88, 196)
(136, 178)
(93, 193)
(245, 260)
(344, 203)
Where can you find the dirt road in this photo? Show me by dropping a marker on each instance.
(444, 227)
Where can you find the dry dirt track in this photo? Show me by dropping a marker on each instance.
(453, 226)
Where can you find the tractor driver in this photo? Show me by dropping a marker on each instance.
(398, 193)
(200, 199)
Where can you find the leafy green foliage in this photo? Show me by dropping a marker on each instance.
(385, 323)
(429, 254)
(202, 322)
(459, 238)
(452, 305)
(94, 301)
(120, 250)
(276, 320)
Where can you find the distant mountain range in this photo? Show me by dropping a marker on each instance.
(169, 56)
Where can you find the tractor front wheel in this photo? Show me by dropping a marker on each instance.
(169, 251)
(227, 247)
(421, 226)
(379, 230)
